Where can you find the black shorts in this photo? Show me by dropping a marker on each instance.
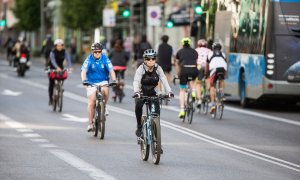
(166, 68)
(120, 73)
(186, 73)
(200, 74)
(219, 74)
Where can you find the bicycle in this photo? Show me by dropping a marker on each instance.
(189, 102)
(203, 109)
(99, 116)
(118, 89)
(58, 90)
(219, 100)
(151, 131)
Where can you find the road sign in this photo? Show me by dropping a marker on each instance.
(109, 18)
(153, 15)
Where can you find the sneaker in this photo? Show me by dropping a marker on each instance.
(138, 131)
(106, 112)
(90, 128)
(212, 109)
(181, 114)
(199, 103)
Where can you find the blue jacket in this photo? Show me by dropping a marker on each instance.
(97, 70)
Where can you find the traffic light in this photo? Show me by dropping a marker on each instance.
(2, 22)
(126, 13)
(198, 9)
(169, 24)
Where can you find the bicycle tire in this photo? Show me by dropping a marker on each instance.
(120, 95)
(156, 140)
(102, 120)
(219, 110)
(97, 119)
(60, 100)
(204, 106)
(190, 107)
(54, 99)
(144, 146)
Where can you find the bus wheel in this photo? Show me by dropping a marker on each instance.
(244, 101)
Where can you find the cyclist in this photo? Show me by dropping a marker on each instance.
(186, 67)
(146, 78)
(47, 47)
(119, 59)
(203, 52)
(96, 70)
(57, 57)
(216, 67)
(164, 56)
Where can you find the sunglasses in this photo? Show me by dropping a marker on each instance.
(97, 52)
(148, 59)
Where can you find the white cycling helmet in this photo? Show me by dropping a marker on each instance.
(58, 41)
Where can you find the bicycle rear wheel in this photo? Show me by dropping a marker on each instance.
(97, 119)
(190, 111)
(204, 106)
(102, 120)
(145, 147)
(156, 140)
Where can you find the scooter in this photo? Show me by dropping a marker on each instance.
(22, 65)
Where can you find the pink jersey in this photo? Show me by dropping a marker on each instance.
(202, 55)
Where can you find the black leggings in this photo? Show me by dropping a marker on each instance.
(139, 110)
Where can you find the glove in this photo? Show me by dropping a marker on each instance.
(85, 83)
(113, 83)
(171, 95)
(136, 95)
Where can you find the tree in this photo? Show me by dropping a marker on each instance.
(26, 12)
(83, 15)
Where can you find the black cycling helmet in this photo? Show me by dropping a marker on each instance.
(216, 46)
(149, 53)
(96, 46)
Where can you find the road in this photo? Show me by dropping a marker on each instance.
(37, 143)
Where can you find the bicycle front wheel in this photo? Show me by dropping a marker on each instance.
(219, 110)
(55, 98)
(97, 119)
(102, 120)
(145, 147)
(156, 140)
(60, 100)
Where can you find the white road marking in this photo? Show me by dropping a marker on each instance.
(69, 158)
(39, 140)
(69, 117)
(48, 145)
(31, 135)
(81, 165)
(7, 92)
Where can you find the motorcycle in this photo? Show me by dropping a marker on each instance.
(22, 65)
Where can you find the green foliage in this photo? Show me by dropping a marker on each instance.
(27, 12)
(80, 14)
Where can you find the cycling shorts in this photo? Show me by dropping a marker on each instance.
(187, 72)
(166, 68)
(200, 74)
(218, 74)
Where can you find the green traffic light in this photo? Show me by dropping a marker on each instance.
(2, 22)
(170, 24)
(126, 13)
(198, 9)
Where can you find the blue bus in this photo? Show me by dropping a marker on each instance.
(261, 39)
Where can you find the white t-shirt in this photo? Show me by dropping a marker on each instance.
(202, 55)
(216, 62)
